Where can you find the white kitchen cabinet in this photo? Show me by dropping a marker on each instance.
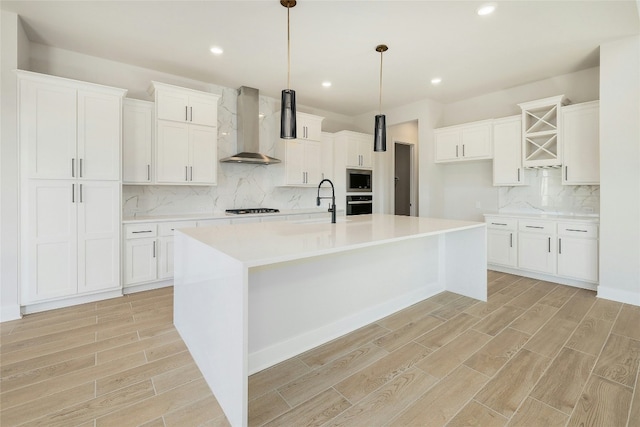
(581, 144)
(502, 241)
(186, 154)
(578, 251)
(69, 129)
(541, 132)
(507, 152)
(140, 261)
(137, 141)
(470, 141)
(301, 161)
(71, 239)
(308, 126)
(327, 163)
(358, 148)
(185, 105)
(537, 246)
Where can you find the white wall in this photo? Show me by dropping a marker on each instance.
(620, 170)
(14, 54)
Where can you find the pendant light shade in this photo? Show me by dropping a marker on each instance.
(288, 100)
(380, 133)
(380, 129)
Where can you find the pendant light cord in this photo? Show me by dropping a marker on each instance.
(288, 51)
(380, 102)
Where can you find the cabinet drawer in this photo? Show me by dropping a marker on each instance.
(532, 226)
(139, 231)
(578, 230)
(167, 228)
(502, 223)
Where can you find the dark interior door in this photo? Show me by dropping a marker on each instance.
(403, 179)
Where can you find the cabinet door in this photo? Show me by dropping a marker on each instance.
(165, 257)
(172, 105)
(140, 261)
(447, 145)
(203, 110)
(98, 235)
(203, 153)
(581, 144)
(476, 142)
(327, 157)
(501, 247)
(578, 258)
(507, 152)
(99, 136)
(365, 145)
(308, 127)
(537, 252)
(137, 139)
(50, 264)
(48, 126)
(172, 165)
(294, 162)
(313, 162)
(353, 154)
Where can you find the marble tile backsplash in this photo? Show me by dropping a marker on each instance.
(546, 194)
(239, 185)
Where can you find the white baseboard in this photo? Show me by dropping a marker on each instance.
(10, 312)
(545, 277)
(132, 289)
(68, 302)
(619, 295)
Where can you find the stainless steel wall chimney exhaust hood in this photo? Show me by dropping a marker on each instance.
(249, 130)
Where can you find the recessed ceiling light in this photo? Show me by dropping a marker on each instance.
(326, 84)
(216, 50)
(436, 81)
(486, 9)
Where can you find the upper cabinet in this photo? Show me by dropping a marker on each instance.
(137, 141)
(358, 148)
(186, 149)
(541, 136)
(302, 158)
(309, 127)
(69, 129)
(470, 141)
(581, 151)
(507, 152)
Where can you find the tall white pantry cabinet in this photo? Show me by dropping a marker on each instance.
(70, 143)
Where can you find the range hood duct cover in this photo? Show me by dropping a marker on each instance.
(249, 130)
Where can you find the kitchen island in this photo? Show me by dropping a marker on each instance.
(248, 296)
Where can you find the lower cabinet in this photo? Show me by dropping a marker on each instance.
(554, 250)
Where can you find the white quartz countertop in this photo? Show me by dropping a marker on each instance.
(558, 217)
(214, 215)
(265, 243)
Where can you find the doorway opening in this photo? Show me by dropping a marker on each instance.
(403, 177)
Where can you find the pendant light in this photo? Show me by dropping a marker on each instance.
(380, 129)
(288, 101)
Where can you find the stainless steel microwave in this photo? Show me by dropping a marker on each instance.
(359, 180)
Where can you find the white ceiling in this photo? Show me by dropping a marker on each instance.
(523, 41)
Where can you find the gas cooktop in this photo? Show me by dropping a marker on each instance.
(250, 211)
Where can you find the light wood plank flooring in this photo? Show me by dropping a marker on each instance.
(536, 354)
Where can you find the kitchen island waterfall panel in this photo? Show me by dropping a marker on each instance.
(248, 296)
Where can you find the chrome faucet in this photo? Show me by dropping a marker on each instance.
(332, 209)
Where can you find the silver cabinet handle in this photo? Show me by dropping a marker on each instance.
(142, 231)
(549, 244)
(191, 111)
(456, 151)
(186, 113)
(462, 150)
(73, 193)
(576, 230)
(148, 172)
(191, 170)
(80, 168)
(566, 173)
(498, 223)
(510, 240)
(73, 168)
(80, 191)
(560, 245)
(154, 249)
(534, 226)
(186, 173)
(518, 174)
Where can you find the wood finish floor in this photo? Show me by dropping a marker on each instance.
(536, 354)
